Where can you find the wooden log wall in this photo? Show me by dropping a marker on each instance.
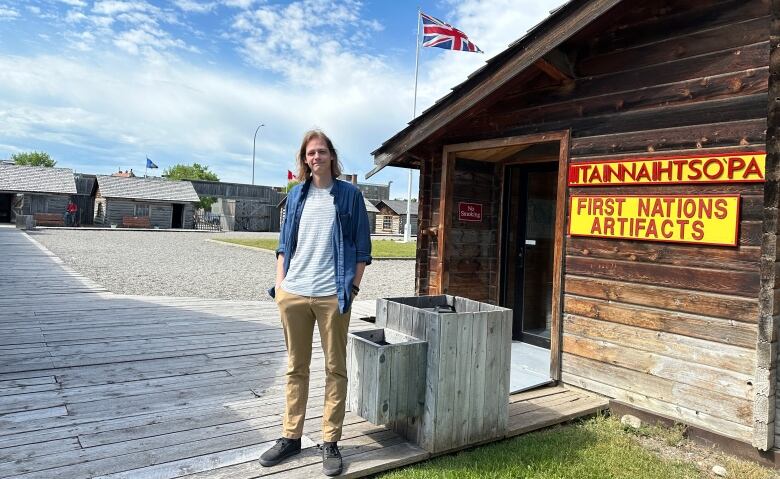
(426, 279)
(766, 424)
(189, 212)
(161, 214)
(672, 329)
(472, 255)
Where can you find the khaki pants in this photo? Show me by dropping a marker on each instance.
(299, 314)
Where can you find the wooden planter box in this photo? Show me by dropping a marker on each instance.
(386, 381)
(25, 222)
(467, 368)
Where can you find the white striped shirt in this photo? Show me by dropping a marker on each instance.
(312, 270)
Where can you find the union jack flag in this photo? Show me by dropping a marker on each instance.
(443, 35)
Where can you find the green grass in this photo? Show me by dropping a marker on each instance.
(379, 248)
(597, 448)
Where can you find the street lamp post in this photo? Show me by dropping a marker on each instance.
(254, 141)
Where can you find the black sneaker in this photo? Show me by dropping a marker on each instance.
(331, 459)
(280, 451)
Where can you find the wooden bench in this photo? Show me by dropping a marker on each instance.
(136, 222)
(49, 219)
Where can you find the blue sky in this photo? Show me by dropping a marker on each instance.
(102, 84)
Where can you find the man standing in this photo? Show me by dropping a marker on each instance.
(324, 247)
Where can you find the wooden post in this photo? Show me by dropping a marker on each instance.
(764, 400)
(448, 167)
(556, 332)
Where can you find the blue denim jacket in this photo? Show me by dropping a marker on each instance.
(351, 234)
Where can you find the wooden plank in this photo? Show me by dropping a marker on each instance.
(659, 22)
(445, 220)
(540, 419)
(29, 451)
(504, 370)
(446, 383)
(717, 355)
(493, 339)
(702, 327)
(407, 319)
(709, 401)
(353, 375)
(426, 427)
(738, 283)
(744, 259)
(369, 384)
(560, 105)
(562, 399)
(684, 301)
(477, 369)
(688, 416)
(463, 391)
(683, 371)
(385, 363)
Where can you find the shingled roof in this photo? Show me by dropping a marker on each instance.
(399, 206)
(36, 179)
(150, 189)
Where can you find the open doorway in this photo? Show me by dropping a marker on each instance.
(531, 203)
(528, 247)
(177, 217)
(6, 203)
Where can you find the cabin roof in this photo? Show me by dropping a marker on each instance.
(399, 206)
(36, 179)
(152, 189)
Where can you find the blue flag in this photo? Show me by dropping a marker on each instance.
(149, 163)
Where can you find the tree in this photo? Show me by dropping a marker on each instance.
(190, 172)
(193, 172)
(290, 185)
(33, 158)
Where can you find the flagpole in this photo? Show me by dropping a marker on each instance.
(408, 226)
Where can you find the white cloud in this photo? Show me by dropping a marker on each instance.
(112, 108)
(242, 4)
(180, 112)
(288, 39)
(147, 39)
(33, 9)
(74, 3)
(8, 13)
(75, 16)
(195, 6)
(113, 7)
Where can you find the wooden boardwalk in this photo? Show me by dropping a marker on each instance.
(94, 384)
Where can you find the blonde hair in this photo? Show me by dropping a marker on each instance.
(304, 172)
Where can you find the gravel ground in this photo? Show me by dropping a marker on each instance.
(158, 263)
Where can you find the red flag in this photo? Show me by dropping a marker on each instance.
(290, 175)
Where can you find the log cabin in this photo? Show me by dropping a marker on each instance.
(166, 203)
(31, 190)
(612, 177)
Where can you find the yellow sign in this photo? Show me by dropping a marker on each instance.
(732, 168)
(701, 219)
